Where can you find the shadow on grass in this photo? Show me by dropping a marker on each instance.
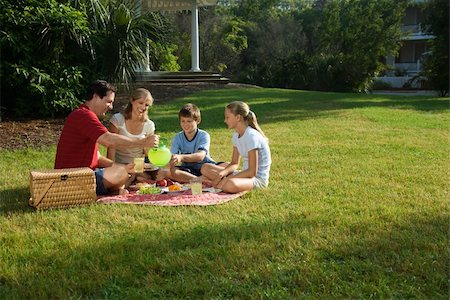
(278, 258)
(276, 105)
(15, 201)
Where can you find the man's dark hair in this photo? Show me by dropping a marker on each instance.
(99, 87)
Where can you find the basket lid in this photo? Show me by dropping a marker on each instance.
(55, 173)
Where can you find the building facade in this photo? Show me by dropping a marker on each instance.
(408, 62)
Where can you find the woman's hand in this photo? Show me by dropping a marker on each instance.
(151, 141)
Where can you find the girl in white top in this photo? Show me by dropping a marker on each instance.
(250, 143)
(133, 122)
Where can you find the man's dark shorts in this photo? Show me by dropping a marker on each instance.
(100, 189)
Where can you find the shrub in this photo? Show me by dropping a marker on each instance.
(381, 85)
(436, 64)
(329, 45)
(55, 93)
(42, 51)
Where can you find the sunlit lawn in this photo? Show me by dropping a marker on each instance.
(357, 208)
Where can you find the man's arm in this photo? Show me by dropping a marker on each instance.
(104, 162)
(109, 139)
(111, 151)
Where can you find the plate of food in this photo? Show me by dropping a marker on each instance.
(138, 185)
(149, 190)
(174, 188)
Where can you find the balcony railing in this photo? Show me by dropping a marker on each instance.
(415, 30)
(410, 68)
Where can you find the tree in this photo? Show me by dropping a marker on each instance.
(272, 35)
(52, 49)
(436, 65)
(42, 44)
(221, 39)
(223, 42)
(121, 35)
(353, 35)
(322, 45)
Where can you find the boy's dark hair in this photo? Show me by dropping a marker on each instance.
(190, 111)
(99, 87)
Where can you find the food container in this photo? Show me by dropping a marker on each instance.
(160, 156)
(62, 188)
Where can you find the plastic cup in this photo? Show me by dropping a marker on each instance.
(196, 186)
(139, 164)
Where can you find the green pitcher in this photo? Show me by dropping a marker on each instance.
(160, 156)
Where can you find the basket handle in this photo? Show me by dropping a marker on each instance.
(41, 196)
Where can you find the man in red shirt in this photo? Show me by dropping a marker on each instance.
(78, 143)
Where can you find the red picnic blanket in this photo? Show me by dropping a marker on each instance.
(171, 199)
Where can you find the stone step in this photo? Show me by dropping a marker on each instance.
(223, 80)
(180, 77)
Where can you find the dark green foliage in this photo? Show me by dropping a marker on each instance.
(223, 42)
(52, 49)
(49, 93)
(222, 38)
(331, 45)
(120, 37)
(43, 44)
(437, 63)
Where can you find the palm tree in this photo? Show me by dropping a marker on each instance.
(120, 37)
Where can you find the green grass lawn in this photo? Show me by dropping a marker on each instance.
(357, 208)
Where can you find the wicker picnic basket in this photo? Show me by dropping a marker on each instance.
(62, 188)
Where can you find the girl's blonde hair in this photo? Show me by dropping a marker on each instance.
(137, 94)
(242, 109)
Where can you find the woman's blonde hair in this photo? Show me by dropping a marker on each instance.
(242, 109)
(137, 94)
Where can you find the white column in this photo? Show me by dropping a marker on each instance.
(147, 58)
(195, 58)
(146, 67)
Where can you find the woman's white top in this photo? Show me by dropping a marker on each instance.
(126, 156)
